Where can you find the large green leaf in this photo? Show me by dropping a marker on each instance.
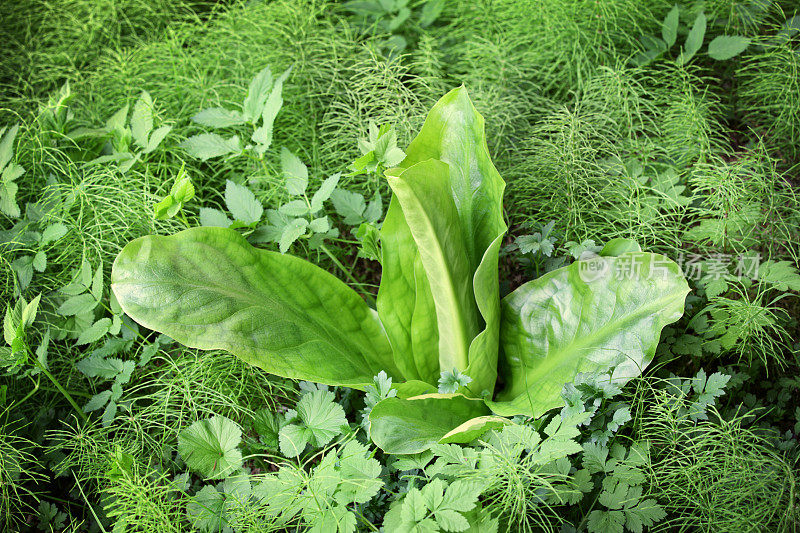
(405, 302)
(452, 133)
(208, 288)
(602, 315)
(415, 424)
(423, 192)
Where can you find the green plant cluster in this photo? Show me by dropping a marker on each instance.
(477, 385)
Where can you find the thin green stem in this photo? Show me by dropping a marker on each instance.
(58, 386)
(370, 299)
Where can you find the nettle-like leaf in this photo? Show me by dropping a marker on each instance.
(669, 29)
(211, 447)
(242, 203)
(341, 478)
(259, 110)
(209, 145)
(9, 172)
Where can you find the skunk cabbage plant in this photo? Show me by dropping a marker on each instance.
(438, 306)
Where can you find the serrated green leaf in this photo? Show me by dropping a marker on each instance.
(257, 93)
(97, 283)
(8, 199)
(694, 40)
(52, 233)
(97, 401)
(320, 225)
(218, 117)
(295, 172)
(360, 474)
(324, 192)
(449, 520)
(214, 218)
(266, 424)
(322, 416)
(291, 232)
(348, 205)
(295, 208)
(210, 447)
(117, 120)
(98, 366)
(209, 145)
(451, 381)
(39, 261)
(293, 439)
(606, 521)
(7, 144)
(156, 137)
(77, 305)
(95, 332)
(29, 311)
(242, 203)
(782, 275)
(206, 510)
(142, 119)
(109, 413)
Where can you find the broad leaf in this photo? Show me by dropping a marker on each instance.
(603, 315)
(208, 145)
(242, 203)
(413, 425)
(727, 46)
(210, 447)
(142, 119)
(257, 94)
(694, 40)
(669, 29)
(405, 302)
(218, 117)
(474, 428)
(208, 288)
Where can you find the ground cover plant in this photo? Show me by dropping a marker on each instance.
(399, 266)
